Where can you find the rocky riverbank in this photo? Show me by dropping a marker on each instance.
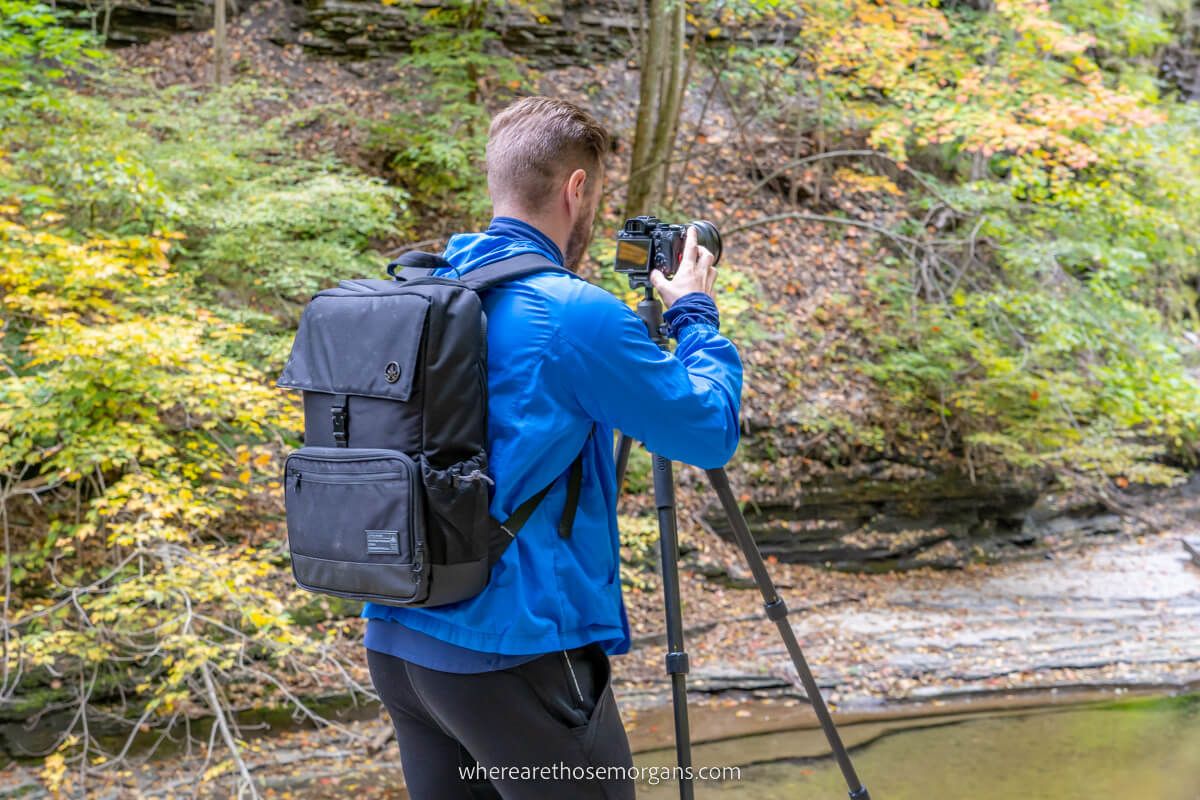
(1119, 610)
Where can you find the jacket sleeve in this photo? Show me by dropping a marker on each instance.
(683, 406)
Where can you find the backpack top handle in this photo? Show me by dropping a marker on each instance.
(416, 264)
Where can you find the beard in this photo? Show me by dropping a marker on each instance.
(579, 239)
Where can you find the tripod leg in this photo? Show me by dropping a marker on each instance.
(624, 444)
(777, 612)
(677, 660)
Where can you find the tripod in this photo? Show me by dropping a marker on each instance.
(651, 312)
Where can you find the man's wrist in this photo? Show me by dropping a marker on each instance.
(691, 309)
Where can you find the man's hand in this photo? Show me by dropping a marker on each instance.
(696, 273)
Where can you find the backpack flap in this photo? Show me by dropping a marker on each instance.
(358, 343)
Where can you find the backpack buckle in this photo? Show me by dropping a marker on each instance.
(341, 420)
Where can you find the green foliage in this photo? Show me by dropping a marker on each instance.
(1083, 384)
(437, 144)
(1125, 28)
(639, 471)
(262, 217)
(86, 162)
(292, 232)
(639, 551)
(36, 49)
(260, 223)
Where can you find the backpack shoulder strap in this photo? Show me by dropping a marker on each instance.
(511, 526)
(510, 269)
(416, 264)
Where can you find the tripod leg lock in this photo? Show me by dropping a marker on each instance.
(677, 663)
(776, 610)
(860, 794)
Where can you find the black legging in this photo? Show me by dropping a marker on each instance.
(556, 711)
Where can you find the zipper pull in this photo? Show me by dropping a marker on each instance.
(298, 475)
(417, 566)
(480, 475)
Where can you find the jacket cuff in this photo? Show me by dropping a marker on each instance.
(691, 309)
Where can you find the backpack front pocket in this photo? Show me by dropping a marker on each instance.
(355, 523)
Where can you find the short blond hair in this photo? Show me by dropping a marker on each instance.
(535, 143)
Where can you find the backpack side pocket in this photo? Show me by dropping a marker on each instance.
(456, 503)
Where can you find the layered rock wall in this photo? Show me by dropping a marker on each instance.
(562, 33)
(557, 33)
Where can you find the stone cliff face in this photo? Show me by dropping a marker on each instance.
(137, 21)
(568, 32)
(882, 517)
(560, 33)
(1180, 64)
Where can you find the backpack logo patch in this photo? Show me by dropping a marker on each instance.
(391, 373)
(383, 543)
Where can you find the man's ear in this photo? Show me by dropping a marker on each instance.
(576, 190)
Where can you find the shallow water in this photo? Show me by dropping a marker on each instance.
(1143, 750)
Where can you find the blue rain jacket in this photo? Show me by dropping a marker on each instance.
(564, 354)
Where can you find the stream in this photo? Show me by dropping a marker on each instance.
(1146, 749)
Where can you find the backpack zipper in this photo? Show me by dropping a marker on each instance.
(314, 477)
(418, 552)
(349, 454)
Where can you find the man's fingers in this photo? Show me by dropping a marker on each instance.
(689, 249)
(705, 259)
(658, 280)
(710, 280)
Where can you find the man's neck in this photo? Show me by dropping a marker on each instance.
(559, 234)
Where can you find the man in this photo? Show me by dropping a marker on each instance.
(518, 676)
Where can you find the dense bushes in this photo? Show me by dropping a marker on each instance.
(1044, 276)
(154, 251)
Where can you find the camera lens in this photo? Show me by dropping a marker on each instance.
(708, 237)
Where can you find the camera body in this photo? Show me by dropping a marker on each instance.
(647, 243)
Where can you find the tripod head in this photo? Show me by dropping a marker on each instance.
(650, 309)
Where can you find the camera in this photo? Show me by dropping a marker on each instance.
(647, 243)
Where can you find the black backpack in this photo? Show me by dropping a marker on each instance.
(388, 498)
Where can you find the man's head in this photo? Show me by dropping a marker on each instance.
(545, 163)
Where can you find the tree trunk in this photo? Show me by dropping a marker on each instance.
(220, 46)
(672, 100)
(660, 97)
(472, 22)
